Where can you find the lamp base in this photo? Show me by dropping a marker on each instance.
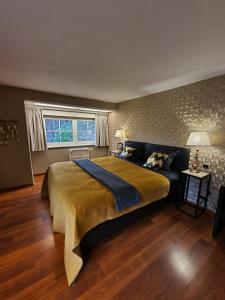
(195, 168)
(120, 146)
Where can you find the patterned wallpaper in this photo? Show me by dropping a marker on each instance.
(169, 117)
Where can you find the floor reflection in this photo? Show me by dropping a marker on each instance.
(182, 264)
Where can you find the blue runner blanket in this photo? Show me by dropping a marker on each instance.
(126, 195)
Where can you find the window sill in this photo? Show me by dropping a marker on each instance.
(69, 146)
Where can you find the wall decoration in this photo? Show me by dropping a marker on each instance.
(9, 132)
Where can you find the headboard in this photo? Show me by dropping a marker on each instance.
(144, 150)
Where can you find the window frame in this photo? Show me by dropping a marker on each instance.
(74, 132)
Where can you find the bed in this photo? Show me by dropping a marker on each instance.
(79, 203)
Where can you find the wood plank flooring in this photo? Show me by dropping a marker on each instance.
(164, 256)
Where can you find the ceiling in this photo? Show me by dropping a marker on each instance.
(111, 50)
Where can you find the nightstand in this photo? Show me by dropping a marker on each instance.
(115, 152)
(198, 209)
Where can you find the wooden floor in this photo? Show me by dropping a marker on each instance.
(165, 256)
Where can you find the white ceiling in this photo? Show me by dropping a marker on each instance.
(110, 50)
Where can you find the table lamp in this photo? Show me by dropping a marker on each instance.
(197, 138)
(121, 133)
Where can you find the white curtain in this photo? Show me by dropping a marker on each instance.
(36, 130)
(102, 135)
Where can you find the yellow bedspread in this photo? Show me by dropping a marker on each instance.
(78, 202)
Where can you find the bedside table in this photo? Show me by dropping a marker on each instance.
(198, 210)
(115, 152)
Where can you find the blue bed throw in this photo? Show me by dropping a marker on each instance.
(125, 194)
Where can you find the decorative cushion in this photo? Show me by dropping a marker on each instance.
(128, 152)
(139, 153)
(156, 160)
(170, 159)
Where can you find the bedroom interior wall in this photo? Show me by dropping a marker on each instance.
(15, 160)
(42, 160)
(168, 118)
(15, 163)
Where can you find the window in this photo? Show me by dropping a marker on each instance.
(65, 132)
(85, 130)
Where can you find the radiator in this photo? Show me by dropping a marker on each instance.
(78, 153)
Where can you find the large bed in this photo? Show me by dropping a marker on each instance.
(79, 203)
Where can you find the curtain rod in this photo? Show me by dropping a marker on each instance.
(65, 107)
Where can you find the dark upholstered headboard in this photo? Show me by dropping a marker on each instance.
(144, 150)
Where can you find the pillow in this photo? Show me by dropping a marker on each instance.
(139, 150)
(170, 160)
(128, 152)
(156, 160)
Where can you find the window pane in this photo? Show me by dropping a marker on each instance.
(81, 125)
(66, 125)
(53, 137)
(51, 124)
(66, 136)
(62, 131)
(85, 130)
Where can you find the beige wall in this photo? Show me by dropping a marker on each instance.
(168, 117)
(15, 164)
(42, 160)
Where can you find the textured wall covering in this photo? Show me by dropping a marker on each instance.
(168, 118)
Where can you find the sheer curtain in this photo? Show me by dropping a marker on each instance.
(102, 135)
(36, 130)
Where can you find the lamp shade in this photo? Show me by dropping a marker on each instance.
(198, 138)
(120, 133)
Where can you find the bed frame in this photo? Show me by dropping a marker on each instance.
(111, 227)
